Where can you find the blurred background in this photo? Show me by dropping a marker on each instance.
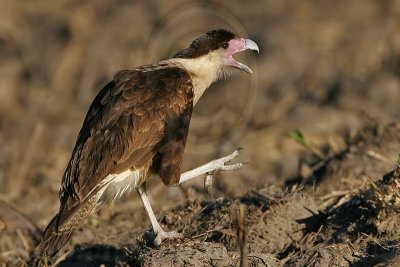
(324, 68)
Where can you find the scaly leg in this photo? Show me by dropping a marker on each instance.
(208, 169)
(160, 233)
(212, 167)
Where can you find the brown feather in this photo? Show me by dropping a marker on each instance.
(141, 116)
(56, 235)
(205, 43)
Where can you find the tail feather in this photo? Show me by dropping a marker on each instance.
(53, 240)
(62, 227)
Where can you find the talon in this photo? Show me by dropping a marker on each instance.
(235, 154)
(232, 167)
(208, 181)
(213, 167)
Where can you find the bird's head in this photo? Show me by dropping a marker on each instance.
(216, 48)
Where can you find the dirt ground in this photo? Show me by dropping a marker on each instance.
(318, 122)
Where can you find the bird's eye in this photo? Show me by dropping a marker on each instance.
(225, 45)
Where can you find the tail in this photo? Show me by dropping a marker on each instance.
(53, 239)
(62, 227)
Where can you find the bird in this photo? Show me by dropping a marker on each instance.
(137, 127)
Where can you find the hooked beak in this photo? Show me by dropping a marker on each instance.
(239, 45)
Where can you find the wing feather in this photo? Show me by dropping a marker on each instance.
(124, 127)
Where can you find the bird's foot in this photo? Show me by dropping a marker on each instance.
(162, 235)
(220, 165)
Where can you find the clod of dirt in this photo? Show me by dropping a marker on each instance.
(282, 225)
(187, 254)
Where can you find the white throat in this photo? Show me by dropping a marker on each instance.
(204, 71)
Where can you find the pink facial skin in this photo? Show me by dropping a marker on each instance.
(236, 46)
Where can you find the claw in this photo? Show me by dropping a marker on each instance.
(221, 166)
(232, 156)
(227, 159)
(208, 181)
(232, 167)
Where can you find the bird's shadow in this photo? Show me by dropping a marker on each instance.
(101, 255)
(108, 255)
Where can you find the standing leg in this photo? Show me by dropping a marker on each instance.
(160, 233)
(208, 169)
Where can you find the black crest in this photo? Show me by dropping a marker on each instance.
(209, 41)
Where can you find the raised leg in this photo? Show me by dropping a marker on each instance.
(160, 233)
(212, 167)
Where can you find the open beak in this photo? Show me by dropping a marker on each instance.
(239, 45)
